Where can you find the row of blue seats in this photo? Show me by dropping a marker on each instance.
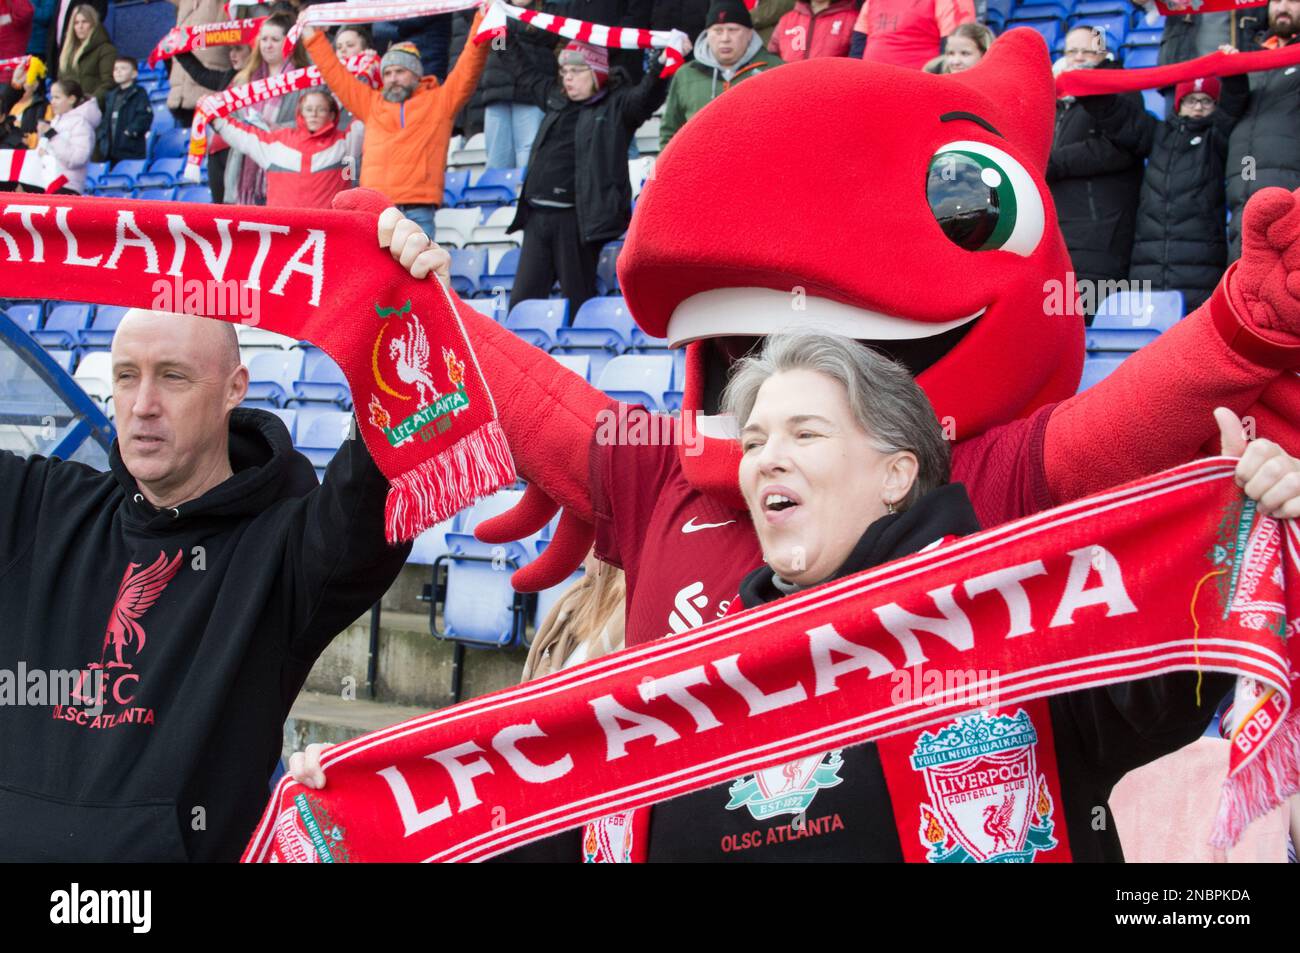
(472, 278)
(301, 375)
(67, 326)
(164, 165)
(1003, 10)
(185, 193)
(491, 187)
(1120, 41)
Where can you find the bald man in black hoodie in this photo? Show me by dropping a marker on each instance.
(190, 589)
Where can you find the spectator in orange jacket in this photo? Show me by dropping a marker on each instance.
(814, 28)
(408, 123)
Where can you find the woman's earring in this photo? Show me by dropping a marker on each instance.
(889, 506)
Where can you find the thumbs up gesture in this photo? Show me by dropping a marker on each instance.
(1265, 472)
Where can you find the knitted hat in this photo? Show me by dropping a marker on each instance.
(405, 55)
(1209, 85)
(584, 54)
(728, 11)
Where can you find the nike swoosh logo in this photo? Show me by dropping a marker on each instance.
(690, 526)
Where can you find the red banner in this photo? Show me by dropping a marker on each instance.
(1175, 572)
(186, 39)
(1100, 82)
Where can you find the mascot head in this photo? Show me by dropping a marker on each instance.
(904, 209)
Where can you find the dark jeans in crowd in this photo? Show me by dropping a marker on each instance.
(554, 248)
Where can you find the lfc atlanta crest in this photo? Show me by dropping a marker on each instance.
(787, 788)
(400, 362)
(988, 803)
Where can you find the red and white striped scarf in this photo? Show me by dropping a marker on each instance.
(365, 66)
(1175, 572)
(186, 39)
(673, 42)
(337, 14)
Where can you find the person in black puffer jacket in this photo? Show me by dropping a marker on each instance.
(1180, 243)
(1265, 146)
(1094, 181)
(577, 194)
(511, 118)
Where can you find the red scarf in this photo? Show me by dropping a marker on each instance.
(186, 39)
(1165, 574)
(1099, 82)
(421, 403)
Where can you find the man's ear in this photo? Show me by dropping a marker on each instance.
(238, 387)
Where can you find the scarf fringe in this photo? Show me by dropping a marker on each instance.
(1267, 781)
(475, 466)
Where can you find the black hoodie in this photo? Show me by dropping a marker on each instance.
(1100, 735)
(219, 608)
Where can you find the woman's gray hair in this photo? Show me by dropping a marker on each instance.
(886, 400)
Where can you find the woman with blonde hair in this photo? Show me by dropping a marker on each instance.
(585, 623)
(246, 181)
(87, 55)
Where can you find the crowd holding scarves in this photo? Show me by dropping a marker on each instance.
(1061, 601)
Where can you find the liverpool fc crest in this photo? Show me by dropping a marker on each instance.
(988, 803)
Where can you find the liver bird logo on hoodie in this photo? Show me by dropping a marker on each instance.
(139, 590)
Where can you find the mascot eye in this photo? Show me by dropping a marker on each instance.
(983, 199)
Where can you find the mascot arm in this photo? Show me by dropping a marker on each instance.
(1156, 409)
(549, 416)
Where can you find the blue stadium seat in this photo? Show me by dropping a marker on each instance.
(320, 380)
(606, 269)
(638, 379)
(1040, 11)
(1142, 36)
(1114, 25)
(602, 328)
(1155, 103)
(163, 120)
(323, 436)
(94, 170)
(162, 172)
(493, 187)
(431, 544)
(1097, 369)
(538, 320)
(1000, 9)
(468, 268)
(102, 327)
(580, 364)
(1049, 29)
(122, 175)
(167, 194)
(271, 375)
(481, 608)
(172, 143)
(1160, 310)
(1141, 57)
(65, 359)
(290, 419)
(488, 307)
(453, 184)
(502, 279)
(26, 315)
(1087, 8)
(194, 193)
(63, 326)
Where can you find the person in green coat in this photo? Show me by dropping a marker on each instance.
(728, 51)
(88, 54)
